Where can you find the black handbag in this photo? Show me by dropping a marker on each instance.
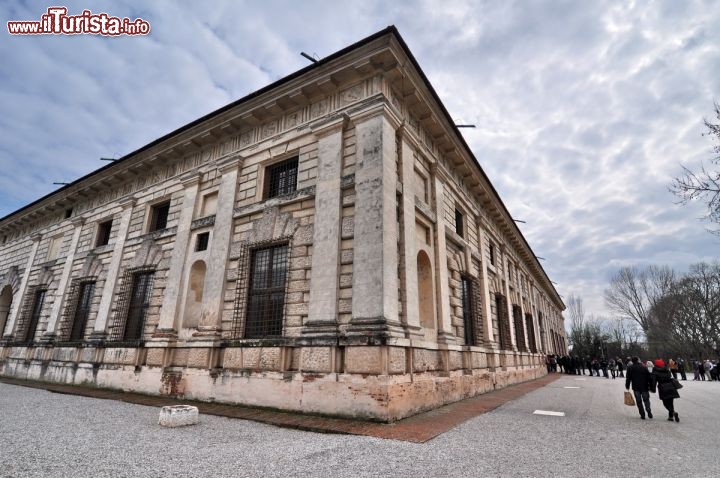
(676, 384)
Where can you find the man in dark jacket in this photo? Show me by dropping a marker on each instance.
(641, 381)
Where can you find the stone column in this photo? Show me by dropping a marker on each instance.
(322, 313)
(485, 291)
(56, 310)
(410, 291)
(100, 330)
(375, 258)
(445, 333)
(18, 300)
(214, 288)
(167, 326)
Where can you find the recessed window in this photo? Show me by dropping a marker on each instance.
(159, 216)
(38, 301)
(103, 234)
(82, 311)
(142, 286)
(459, 223)
(201, 242)
(492, 254)
(281, 178)
(68, 213)
(266, 301)
(54, 248)
(209, 204)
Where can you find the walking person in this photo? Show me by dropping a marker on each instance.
(666, 389)
(640, 379)
(701, 369)
(681, 368)
(672, 365)
(613, 367)
(620, 367)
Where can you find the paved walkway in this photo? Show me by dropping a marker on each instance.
(419, 428)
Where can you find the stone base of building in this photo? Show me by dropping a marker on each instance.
(374, 382)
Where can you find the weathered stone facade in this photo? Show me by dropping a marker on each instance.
(327, 244)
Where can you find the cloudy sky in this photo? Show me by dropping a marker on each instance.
(584, 110)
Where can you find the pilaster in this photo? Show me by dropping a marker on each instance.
(375, 262)
(323, 307)
(103, 315)
(55, 312)
(214, 288)
(488, 336)
(167, 326)
(410, 272)
(441, 274)
(15, 310)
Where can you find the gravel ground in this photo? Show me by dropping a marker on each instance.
(46, 434)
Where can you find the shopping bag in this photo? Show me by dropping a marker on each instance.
(629, 400)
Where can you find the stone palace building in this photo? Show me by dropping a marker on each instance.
(327, 244)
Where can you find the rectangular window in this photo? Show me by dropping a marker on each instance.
(266, 297)
(459, 223)
(281, 178)
(138, 306)
(35, 316)
(201, 242)
(468, 312)
(159, 216)
(103, 233)
(492, 254)
(519, 332)
(501, 309)
(82, 311)
(530, 332)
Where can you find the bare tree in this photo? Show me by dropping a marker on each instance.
(704, 184)
(576, 311)
(634, 291)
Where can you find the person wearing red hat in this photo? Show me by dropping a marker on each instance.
(666, 388)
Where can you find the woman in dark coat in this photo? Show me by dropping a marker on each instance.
(666, 389)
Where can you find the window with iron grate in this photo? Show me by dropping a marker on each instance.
(266, 294)
(138, 306)
(519, 332)
(468, 304)
(35, 315)
(82, 310)
(281, 178)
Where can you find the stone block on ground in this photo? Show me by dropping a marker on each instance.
(178, 416)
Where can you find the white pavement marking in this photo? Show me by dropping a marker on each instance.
(571, 387)
(547, 412)
(581, 379)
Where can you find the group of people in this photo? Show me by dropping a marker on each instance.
(613, 367)
(659, 377)
(643, 376)
(706, 368)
